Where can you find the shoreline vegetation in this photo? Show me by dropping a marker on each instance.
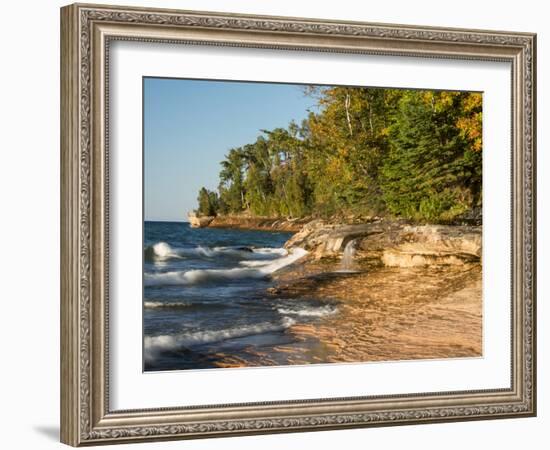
(382, 187)
(409, 154)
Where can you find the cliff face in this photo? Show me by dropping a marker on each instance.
(395, 244)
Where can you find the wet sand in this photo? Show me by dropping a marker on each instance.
(383, 314)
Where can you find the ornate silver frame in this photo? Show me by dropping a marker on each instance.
(86, 31)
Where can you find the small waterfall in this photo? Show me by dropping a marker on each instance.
(349, 253)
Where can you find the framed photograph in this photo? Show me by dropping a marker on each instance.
(279, 224)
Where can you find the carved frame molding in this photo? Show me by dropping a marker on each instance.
(86, 32)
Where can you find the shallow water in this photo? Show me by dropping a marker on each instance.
(205, 302)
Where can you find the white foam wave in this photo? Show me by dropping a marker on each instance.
(200, 250)
(254, 263)
(291, 257)
(271, 251)
(154, 345)
(309, 311)
(173, 305)
(197, 276)
(243, 252)
(163, 251)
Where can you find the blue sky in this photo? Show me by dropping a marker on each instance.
(189, 125)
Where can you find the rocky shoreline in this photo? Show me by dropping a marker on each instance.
(393, 243)
(387, 313)
(248, 223)
(411, 291)
(394, 290)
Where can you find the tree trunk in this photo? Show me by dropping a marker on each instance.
(347, 104)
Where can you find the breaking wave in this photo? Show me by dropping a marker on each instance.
(254, 263)
(154, 305)
(153, 345)
(198, 276)
(309, 311)
(171, 305)
(162, 251)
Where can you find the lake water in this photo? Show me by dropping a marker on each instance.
(205, 302)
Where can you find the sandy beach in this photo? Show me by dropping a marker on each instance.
(397, 313)
(382, 314)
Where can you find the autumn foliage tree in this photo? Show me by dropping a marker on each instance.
(404, 153)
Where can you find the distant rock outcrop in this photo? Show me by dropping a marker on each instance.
(199, 221)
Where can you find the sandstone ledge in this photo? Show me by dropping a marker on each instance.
(394, 243)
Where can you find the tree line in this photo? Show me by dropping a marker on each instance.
(415, 154)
